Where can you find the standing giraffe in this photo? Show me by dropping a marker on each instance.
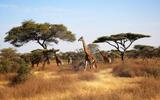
(104, 56)
(46, 59)
(89, 58)
(58, 59)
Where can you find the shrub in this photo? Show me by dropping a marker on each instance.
(3, 69)
(131, 70)
(22, 74)
(9, 60)
(124, 71)
(152, 71)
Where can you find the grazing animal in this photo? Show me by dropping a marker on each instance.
(42, 56)
(36, 61)
(106, 57)
(35, 57)
(89, 58)
(58, 59)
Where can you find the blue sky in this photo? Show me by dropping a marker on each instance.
(88, 18)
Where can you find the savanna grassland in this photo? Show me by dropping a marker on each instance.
(135, 79)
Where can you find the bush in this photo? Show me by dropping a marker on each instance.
(124, 71)
(9, 60)
(22, 74)
(152, 71)
(3, 69)
(5, 66)
(128, 70)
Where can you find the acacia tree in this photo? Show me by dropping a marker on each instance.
(41, 33)
(144, 51)
(120, 41)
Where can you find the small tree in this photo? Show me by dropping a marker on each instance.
(9, 60)
(120, 41)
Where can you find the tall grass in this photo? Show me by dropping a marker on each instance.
(35, 86)
(87, 76)
(147, 89)
(138, 67)
(71, 85)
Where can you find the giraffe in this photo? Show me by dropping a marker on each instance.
(45, 57)
(41, 56)
(106, 57)
(89, 58)
(58, 59)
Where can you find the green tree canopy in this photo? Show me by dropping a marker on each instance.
(145, 51)
(143, 47)
(42, 33)
(120, 41)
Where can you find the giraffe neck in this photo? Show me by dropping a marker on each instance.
(55, 55)
(85, 47)
(101, 53)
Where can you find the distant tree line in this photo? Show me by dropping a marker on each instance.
(144, 51)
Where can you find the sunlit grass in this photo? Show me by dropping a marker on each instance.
(67, 84)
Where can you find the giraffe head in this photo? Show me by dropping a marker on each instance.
(80, 39)
(55, 50)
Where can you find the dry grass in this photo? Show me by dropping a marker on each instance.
(139, 67)
(7, 76)
(147, 89)
(87, 76)
(65, 84)
(37, 85)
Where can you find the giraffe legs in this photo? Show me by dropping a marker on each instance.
(92, 64)
(86, 64)
(109, 60)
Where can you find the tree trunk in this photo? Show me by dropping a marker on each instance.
(46, 55)
(48, 60)
(122, 56)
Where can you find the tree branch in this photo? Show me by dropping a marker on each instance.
(131, 41)
(40, 43)
(117, 44)
(112, 44)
